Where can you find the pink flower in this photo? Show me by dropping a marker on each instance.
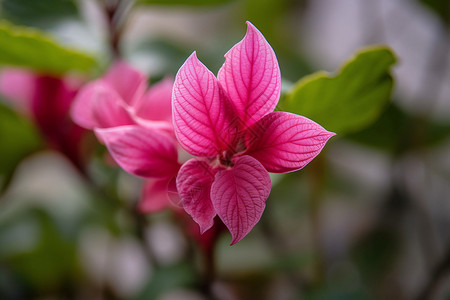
(120, 98)
(46, 100)
(228, 123)
(136, 127)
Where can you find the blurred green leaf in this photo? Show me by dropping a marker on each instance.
(376, 253)
(350, 100)
(41, 14)
(18, 138)
(335, 292)
(26, 47)
(52, 261)
(440, 7)
(396, 131)
(185, 2)
(387, 133)
(165, 279)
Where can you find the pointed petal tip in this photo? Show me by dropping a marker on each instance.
(250, 25)
(251, 76)
(330, 134)
(191, 60)
(193, 55)
(241, 203)
(234, 241)
(194, 187)
(204, 229)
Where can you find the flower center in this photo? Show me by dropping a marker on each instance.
(225, 158)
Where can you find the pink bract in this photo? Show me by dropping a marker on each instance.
(136, 127)
(120, 98)
(229, 124)
(46, 99)
(18, 86)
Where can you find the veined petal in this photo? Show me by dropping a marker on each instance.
(128, 82)
(194, 185)
(201, 112)
(141, 151)
(156, 104)
(98, 105)
(285, 142)
(239, 195)
(251, 76)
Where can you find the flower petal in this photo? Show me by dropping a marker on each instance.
(141, 151)
(129, 83)
(155, 195)
(194, 185)
(285, 142)
(251, 76)
(18, 86)
(239, 195)
(156, 104)
(108, 109)
(201, 112)
(98, 106)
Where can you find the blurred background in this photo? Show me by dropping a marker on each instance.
(368, 219)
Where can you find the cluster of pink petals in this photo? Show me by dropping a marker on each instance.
(46, 99)
(229, 124)
(136, 126)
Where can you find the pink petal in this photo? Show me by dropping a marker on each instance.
(98, 106)
(201, 112)
(141, 151)
(285, 142)
(129, 83)
(156, 104)
(155, 195)
(251, 76)
(82, 107)
(158, 125)
(109, 110)
(239, 195)
(18, 86)
(194, 186)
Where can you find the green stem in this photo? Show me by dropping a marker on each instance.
(317, 178)
(438, 274)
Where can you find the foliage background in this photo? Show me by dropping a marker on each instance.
(368, 219)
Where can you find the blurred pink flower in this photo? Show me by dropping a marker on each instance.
(229, 124)
(46, 100)
(120, 98)
(136, 127)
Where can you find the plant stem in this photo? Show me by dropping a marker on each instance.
(209, 273)
(317, 172)
(115, 14)
(438, 274)
(141, 224)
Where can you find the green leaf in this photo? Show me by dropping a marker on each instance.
(18, 139)
(352, 99)
(51, 260)
(41, 14)
(440, 7)
(185, 2)
(26, 47)
(396, 132)
(376, 253)
(167, 278)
